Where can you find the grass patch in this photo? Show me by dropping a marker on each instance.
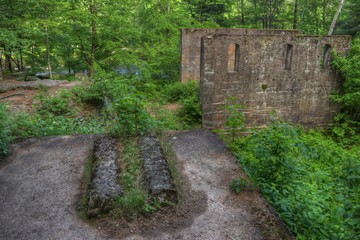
(136, 199)
(84, 201)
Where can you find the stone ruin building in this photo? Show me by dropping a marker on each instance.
(265, 70)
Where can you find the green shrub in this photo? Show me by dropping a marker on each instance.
(187, 94)
(240, 184)
(48, 124)
(191, 112)
(347, 123)
(235, 121)
(92, 94)
(165, 119)
(179, 91)
(4, 131)
(311, 181)
(127, 117)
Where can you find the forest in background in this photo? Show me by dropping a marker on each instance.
(142, 35)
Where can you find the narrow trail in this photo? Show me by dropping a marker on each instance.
(210, 167)
(40, 187)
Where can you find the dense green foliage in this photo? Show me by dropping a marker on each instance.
(4, 132)
(141, 36)
(347, 122)
(53, 116)
(188, 96)
(313, 183)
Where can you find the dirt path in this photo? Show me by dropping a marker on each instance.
(40, 187)
(209, 167)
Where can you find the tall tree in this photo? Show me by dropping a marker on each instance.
(336, 17)
(1, 74)
(349, 21)
(295, 14)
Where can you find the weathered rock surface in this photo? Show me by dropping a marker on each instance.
(156, 170)
(104, 187)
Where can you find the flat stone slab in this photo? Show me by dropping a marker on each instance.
(40, 187)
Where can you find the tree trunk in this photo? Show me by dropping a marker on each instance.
(256, 13)
(32, 59)
(267, 14)
(168, 6)
(295, 14)
(48, 52)
(93, 12)
(16, 62)
(336, 17)
(242, 13)
(21, 63)
(8, 66)
(1, 76)
(324, 14)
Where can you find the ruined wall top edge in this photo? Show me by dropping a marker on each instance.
(219, 35)
(245, 30)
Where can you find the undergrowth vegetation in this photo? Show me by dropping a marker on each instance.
(346, 127)
(311, 181)
(187, 96)
(135, 200)
(121, 106)
(4, 132)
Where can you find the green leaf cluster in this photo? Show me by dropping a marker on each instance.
(188, 96)
(347, 122)
(313, 183)
(4, 131)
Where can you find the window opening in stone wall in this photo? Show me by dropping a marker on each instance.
(288, 56)
(325, 63)
(233, 57)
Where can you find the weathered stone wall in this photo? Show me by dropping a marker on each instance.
(297, 90)
(191, 46)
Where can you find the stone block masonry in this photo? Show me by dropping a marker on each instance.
(191, 46)
(282, 71)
